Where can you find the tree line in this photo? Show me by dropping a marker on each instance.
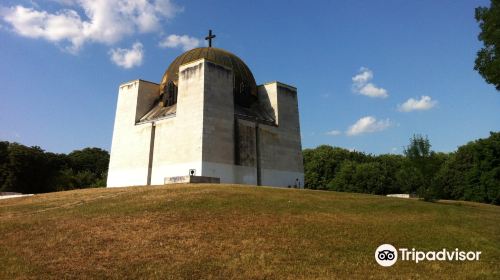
(471, 173)
(32, 170)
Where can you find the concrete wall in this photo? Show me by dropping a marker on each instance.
(230, 173)
(218, 128)
(178, 141)
(148, 95)
(169, 158)
(245, 143)
(130, 145)
(280, 146)
(218, 114)
(268, 99)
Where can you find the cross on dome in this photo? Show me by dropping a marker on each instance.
(209, 38)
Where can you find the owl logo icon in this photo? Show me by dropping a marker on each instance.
(386, 255)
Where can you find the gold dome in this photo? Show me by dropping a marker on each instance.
(244, 86)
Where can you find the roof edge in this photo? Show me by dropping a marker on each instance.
(138, 80)
(279, 84)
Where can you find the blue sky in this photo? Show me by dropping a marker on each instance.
(370, 74)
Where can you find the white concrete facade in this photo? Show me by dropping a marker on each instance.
(205, 134)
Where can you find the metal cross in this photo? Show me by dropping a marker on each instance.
(209, 38)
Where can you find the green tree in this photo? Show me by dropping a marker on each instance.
(449, 179)
(370, 177)
(409, 179)
(94, 160)
(89, 167)
(344, 179)
(32, 170)
(420, 157)
(28, 170)
(375, 177)
(322, 164)
(473, 172)
(488, 58)
(4, 159)
(390, 165)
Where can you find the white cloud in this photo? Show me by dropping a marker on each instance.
(372, 91)
(361, 84)
(363, 76)
(424, 103)
(368, 124)
(175, 41)
(334, 132)
(104, 21)
(127, 58)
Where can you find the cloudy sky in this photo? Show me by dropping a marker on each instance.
(370, 74)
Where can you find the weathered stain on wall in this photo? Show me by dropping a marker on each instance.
(245, 143)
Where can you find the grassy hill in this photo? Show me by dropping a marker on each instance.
(228, 231)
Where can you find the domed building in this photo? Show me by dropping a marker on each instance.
(207, 121)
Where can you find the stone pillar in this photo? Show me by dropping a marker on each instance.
(130, 147)
(218, 123)
(281, 148)
(178, 142)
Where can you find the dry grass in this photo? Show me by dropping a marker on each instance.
(224, 231)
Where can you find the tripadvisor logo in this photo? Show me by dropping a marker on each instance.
(387, 255)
